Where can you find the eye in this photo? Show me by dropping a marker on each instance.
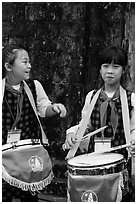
(116, 66)
(24, 61)
(105, 65)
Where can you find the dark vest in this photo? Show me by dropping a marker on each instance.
(119, 137)
(28, 122)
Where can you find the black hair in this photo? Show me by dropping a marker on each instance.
(114, 54)
(9, 54)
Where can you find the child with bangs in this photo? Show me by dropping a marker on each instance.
(108, 108)
(20, 122)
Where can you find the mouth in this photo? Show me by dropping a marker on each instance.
(27, 72)
(109, 77)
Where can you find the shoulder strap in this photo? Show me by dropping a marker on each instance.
(83, 126)
(3, 87)
(125, 113)
(31, 99)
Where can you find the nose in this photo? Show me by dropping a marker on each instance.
(29, 65)
(110, 69)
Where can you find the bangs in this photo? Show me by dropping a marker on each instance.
(114, 55)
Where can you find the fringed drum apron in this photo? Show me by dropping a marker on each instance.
(97, 178)
(26, 165)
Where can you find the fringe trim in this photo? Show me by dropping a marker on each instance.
(24, 185)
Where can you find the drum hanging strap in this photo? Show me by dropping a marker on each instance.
(125, 114)
(83, 126)
(30, 96)
(126, 124)
(3, 88)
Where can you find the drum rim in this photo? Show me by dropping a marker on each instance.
(95, 166)
(20, 143)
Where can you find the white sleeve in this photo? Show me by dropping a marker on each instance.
(132, 120)
(42, 99)
(83, 113)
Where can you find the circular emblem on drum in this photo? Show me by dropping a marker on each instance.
(89, 196)
(36, 163)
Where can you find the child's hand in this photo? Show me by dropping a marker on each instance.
(70, 141)
(59, 109)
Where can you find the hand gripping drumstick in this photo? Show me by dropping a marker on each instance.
(72, 151)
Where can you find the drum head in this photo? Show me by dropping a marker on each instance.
(88, 160)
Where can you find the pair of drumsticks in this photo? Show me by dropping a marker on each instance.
(93, 133)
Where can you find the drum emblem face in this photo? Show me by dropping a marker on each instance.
(89, 196)
(36, 163)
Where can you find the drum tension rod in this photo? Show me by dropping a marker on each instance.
(14, 145)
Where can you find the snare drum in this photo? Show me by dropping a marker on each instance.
(96, 177)
(26, 164)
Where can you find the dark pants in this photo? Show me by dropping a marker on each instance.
(130, 196)
(13, 194)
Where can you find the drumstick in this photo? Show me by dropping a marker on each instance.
(112, 149)
(69, 155)
(93, 133)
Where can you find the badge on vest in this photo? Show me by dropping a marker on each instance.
(13, 135)
(102, 144)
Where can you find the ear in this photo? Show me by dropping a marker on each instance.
(7, 66)
(123, 70)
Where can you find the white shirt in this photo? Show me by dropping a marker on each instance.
(42, 99)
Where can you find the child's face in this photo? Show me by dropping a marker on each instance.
(21, 66)
(111, 73)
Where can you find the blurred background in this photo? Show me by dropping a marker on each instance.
(64, 41)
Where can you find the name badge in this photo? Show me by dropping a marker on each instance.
(102, 144)
(13, 136)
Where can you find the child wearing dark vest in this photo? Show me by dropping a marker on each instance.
(108, 107)
(17, 112)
